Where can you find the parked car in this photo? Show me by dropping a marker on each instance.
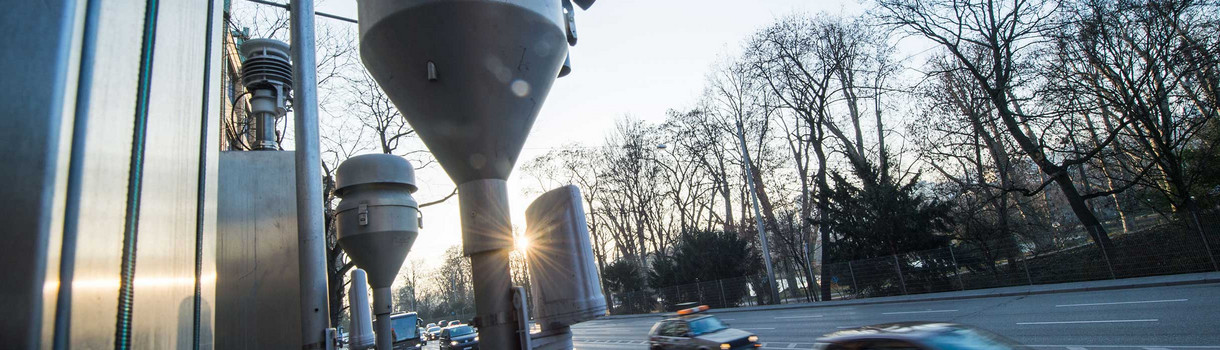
(460, 337)
(916, 335)
(692, 329)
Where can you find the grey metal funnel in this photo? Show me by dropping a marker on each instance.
(469, 75)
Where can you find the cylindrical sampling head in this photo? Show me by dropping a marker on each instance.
(563, 274)
(378, 219)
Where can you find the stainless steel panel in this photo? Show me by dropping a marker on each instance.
(207, 294)
(104, 186)
(163, 311)
(257, 281)
(37, 61)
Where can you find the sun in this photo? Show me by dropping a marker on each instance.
(521, 243)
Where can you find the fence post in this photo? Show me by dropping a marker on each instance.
(1028, 277)
(855, 288)
(960, 285)
(1206, 245)
(723, 301)
(699, 287)
(902, 280)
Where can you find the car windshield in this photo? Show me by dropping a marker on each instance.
(969, 338)
(404, 327)
(460, 331)
(434, 329)
(706, 325)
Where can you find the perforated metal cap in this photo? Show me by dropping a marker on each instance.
(267, 64)
(377, 168)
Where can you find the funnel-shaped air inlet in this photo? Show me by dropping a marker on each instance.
(469, 75)
(378, 219)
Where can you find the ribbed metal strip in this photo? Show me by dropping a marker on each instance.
(76, 168)
(201, 192)
(122, 336)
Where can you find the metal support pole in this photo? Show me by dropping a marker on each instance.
(1206, 245)
(487, 239)
(956, 273)
(311, 244)
(724, 302)
(1028, 278)
(762, 233)
(855, 288)
(902, 280)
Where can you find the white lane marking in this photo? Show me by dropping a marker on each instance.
(1096, 321)
(1147, 348)
(810, 316)
(728, 319)
(1076, 348)
(1125, 302)
(792, 346)
(1129, 346)
(845, 327)
(754, 328)
(916, 312)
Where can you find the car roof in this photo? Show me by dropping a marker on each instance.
(687, 317)
(897, 331)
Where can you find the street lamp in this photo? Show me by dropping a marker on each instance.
(762, 233)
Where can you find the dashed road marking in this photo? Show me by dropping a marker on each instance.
(808, 316)
(916, 312)
(1125, 302)
(1095, 321)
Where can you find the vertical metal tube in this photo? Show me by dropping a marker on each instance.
(311, 242)
(956, 274)
(487, 239)
(855, 288)
(762, 232)
(385, 328)
(902, 280)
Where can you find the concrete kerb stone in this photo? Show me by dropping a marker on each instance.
(1070, 287)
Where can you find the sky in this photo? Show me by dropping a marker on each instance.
(634, 57)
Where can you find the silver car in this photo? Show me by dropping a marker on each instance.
(692, 330)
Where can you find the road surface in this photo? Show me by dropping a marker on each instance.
(1173, 317)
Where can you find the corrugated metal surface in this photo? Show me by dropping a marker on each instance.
(163, 307)
(104, 185)
(176, 240)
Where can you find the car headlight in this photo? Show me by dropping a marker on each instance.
(453, 343)
(724, 346)
(753, 338)
(476, 338)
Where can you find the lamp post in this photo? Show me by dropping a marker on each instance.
(762, 233)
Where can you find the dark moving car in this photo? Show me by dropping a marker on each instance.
(461, 337)
(405, 331)
(689, 329)
(916, 336)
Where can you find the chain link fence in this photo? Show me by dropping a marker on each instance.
(1159, 249)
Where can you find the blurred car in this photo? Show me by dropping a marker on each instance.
(692, 329)
(430, 325)
(454, 323)
(460, 337)
(916, 335)
(434, 332)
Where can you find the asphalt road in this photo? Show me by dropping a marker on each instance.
(1174, 317)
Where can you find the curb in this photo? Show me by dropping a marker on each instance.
(1204, 279)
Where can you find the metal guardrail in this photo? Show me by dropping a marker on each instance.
(1158, 250)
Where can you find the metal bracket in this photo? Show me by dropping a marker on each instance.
(363, 213)
(522, 317)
